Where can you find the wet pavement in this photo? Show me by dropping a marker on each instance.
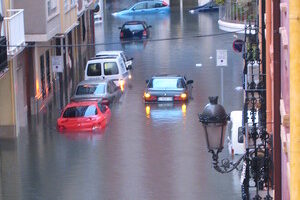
(144, 153)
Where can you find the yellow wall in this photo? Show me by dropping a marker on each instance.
(68, 18)
(294, 16)
(6, 98)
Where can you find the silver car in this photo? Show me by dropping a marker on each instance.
(106, 90)
(168, 88)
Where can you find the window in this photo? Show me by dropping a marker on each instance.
(151, 5)
(80, 111)
(159, 5)
(110, 87)
(48, 72)
(134, 27)
(66, 5)
(123, 67)
(94, 69)
(102, 107)
(90, 89)
(140, 6)
(111, 68)
(51, 7)
(73, 2)
(42, 71)
(168, 83)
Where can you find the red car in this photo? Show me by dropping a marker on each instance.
(84, 116)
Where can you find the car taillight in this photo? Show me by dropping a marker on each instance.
(144, 33)
(121, 34)
(182, 97)
(61, 128)
(149, 97)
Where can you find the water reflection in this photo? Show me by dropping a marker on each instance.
(89, 136)
(166, 112)
(133, 45)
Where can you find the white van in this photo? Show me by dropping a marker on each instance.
(108, 67)
(235, 135)
(127, 61)
(236, 138)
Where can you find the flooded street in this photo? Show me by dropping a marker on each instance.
(145, 153)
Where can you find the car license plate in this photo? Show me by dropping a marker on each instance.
(165, 99)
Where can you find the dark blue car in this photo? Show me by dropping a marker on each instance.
(135, 29)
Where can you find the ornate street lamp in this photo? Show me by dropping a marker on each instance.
(214, 120)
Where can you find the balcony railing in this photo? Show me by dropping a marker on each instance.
(239, 13)
(14, 24)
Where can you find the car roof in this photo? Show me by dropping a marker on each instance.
(110, 58)
(82, 103)
(167, 76)
(105, 53)
(94, 81)
(157, 1)
(134, 22)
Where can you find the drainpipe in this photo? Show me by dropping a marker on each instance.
(268, 67)
(294, 21)
(276, 100)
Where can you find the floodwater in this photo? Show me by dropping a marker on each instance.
(155, 152)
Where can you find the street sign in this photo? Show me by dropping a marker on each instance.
(221, 57)
(238, 45)
(57, 64)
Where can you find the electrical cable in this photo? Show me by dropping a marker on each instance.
(28, 45)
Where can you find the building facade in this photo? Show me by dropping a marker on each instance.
(13, 107)
(54, 31)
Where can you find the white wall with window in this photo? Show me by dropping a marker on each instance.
(66, 5)
(52, 8)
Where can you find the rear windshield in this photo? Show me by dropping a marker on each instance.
(133, 27)
(111, 68)
(90, 89)
(168, 83)
(80, 111)
(94, 69)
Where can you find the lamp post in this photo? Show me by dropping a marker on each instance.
(256, 161)
(214, 120)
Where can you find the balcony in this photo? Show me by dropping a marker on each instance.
(234, 14)
(14, 24)
(83, 5)
(88, 3)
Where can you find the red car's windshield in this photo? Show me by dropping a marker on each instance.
(80, 111)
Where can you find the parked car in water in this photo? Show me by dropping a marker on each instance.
(210, 6)
(107, 67)
(105, 90)
(127, 61)
(168, 88)
(84, 116)
(135, 29)
(145, 7)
